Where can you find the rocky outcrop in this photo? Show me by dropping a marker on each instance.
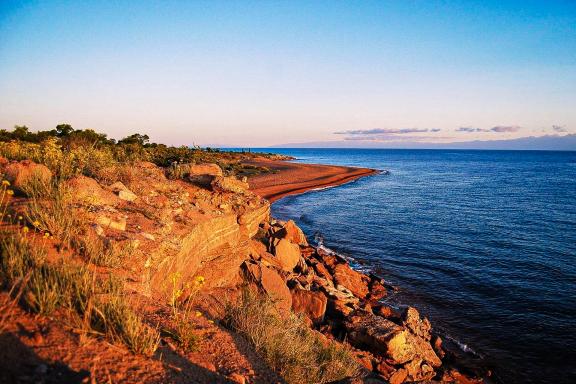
(345, 304)
(229, 184)
(21, 173)
(205, 169)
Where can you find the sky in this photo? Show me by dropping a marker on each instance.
(268, 73)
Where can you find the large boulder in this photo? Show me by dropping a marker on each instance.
(205, 169)
(288, 254)
(21, 173)
(87, 191)
(228, 184)
(418, 326)
(356, 282)
(310, 303)
(393, 341)
(292, 233)
(271, 283)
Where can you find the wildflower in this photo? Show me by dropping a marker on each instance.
(19, 217)
(10, 192)
(198, 314)
(36, 223)
(6, 183)
(199, 279)
(46, 235)
(25, 229)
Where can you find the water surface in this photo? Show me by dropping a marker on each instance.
(482, 242)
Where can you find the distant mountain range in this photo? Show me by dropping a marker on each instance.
(547, 143)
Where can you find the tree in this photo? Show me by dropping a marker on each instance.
(135, 139)
(63, 130)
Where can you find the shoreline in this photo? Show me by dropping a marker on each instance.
(296, 178)
(446, 355)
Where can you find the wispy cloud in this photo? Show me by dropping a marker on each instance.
(559, 128)
(505, 128)
(497, 129)
(469, 129)
(381, 131)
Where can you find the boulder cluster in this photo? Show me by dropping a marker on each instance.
(346, 305)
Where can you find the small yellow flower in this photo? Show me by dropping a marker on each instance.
(198, 314)
(19, 217)
(211, 321)
(25, 229)
(10, 192)
(199, 279)
(46, 235)
(6, 183)
(36, 223)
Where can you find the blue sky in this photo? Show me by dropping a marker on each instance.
(260, 73)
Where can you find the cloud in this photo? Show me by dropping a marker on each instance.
(505, 128)
(469, 129)
(559, 128)
(497, 129)
(380, 131)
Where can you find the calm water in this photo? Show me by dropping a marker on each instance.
(482, 242)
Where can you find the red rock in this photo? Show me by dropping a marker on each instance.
(386, 312)
(228, 184)
(365, 360)
(420, 327)
(291, 232)
(310, 303)
(322, 271)
(399, 376)
(393, 341)
(288, 254)
(419, 370)
(22, 172)
(377, 291)
(205, 169)
(385, 369)
(271, 283)
(237, 378)
(87, 190)
(437, 345)
(354, 281)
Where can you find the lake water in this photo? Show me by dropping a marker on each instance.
(481, 242)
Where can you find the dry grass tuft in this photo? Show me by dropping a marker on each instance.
(48, 286)
(297, 353)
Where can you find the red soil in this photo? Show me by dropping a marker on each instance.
(295, 178)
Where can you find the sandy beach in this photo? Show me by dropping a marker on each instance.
(295, 178)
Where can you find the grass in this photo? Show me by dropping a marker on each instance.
(48, 286)
(49, 207)
(289, 346)
(100, 251)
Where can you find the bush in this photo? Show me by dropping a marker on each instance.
(297, 353)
